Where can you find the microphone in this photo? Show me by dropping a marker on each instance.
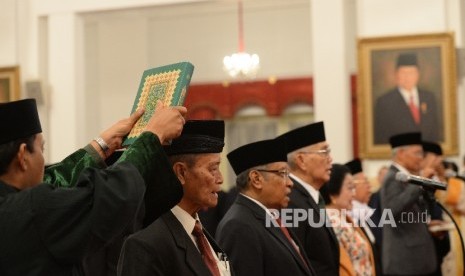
(421, 181)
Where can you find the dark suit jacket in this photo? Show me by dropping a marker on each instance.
(211, 218)
(49, 229)
(255, 249)
(320, 243)
(408, 248)
(377, 231)
(393, 116)
(163, 248)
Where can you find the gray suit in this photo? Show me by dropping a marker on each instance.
(408, 249)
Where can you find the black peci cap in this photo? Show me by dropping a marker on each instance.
(304, 136)
(198, 136)
(19, 119)
(256, 154)
(355, 166)
(405, 139)
(407, 59)
(432, 147)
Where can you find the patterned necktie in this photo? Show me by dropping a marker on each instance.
(414, 110)
(205, 250)
(291, 241)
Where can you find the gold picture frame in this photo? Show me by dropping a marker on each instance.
(379, 116)
(9, 84)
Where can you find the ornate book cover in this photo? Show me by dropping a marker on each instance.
(168, 84)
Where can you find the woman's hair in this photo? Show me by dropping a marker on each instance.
(334, 185)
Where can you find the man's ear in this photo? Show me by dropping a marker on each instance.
(22, 156)
(300, 162)
(180, 170)
(256, 179)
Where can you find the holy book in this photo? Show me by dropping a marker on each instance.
(167, 84)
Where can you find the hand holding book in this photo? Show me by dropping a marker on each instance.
(114, 135)
(166, 122)
(167, 84)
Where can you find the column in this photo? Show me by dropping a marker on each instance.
(62, 74)
(331, 74)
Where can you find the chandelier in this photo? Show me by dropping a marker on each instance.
(241, 64)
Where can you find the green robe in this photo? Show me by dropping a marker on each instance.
(50, 228)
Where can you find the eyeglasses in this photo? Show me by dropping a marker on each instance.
(283, 173)
(324, 152)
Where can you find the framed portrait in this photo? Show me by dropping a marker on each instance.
(9, 84)
(406, 84)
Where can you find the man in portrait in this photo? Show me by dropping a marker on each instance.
(407, 107)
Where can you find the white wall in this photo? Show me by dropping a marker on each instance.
(120, 45)
(332, 47)
(110, 43)
(8, 33)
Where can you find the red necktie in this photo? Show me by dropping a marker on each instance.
(414, 110)
(288, 236)
(205, 250)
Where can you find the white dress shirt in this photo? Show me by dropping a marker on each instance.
(188, 223)
(314, 193)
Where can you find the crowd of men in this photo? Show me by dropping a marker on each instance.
(147, 204)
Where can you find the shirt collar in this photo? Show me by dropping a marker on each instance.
(400, 168)
(406, 95)
(314, 193)
(187, 221)
(360, 210)
(259, 204)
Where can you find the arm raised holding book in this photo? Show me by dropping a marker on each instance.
(163, 189)
(166, 123)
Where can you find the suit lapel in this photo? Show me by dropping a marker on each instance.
(276, 232)
(316, 209)
(183, 241)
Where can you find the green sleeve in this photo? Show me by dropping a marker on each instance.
(66, 172)
(163, 189)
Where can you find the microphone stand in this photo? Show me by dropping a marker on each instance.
(432, 198)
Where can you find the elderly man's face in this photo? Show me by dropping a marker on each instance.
(411, 157)
(203, 181)
(362, 187)
(317, 160)
(277, 185)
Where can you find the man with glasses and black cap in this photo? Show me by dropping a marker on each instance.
(255, 239)
(309, 160)
(407, 247)
(48, 229)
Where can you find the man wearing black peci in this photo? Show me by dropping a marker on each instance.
(310, 161)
